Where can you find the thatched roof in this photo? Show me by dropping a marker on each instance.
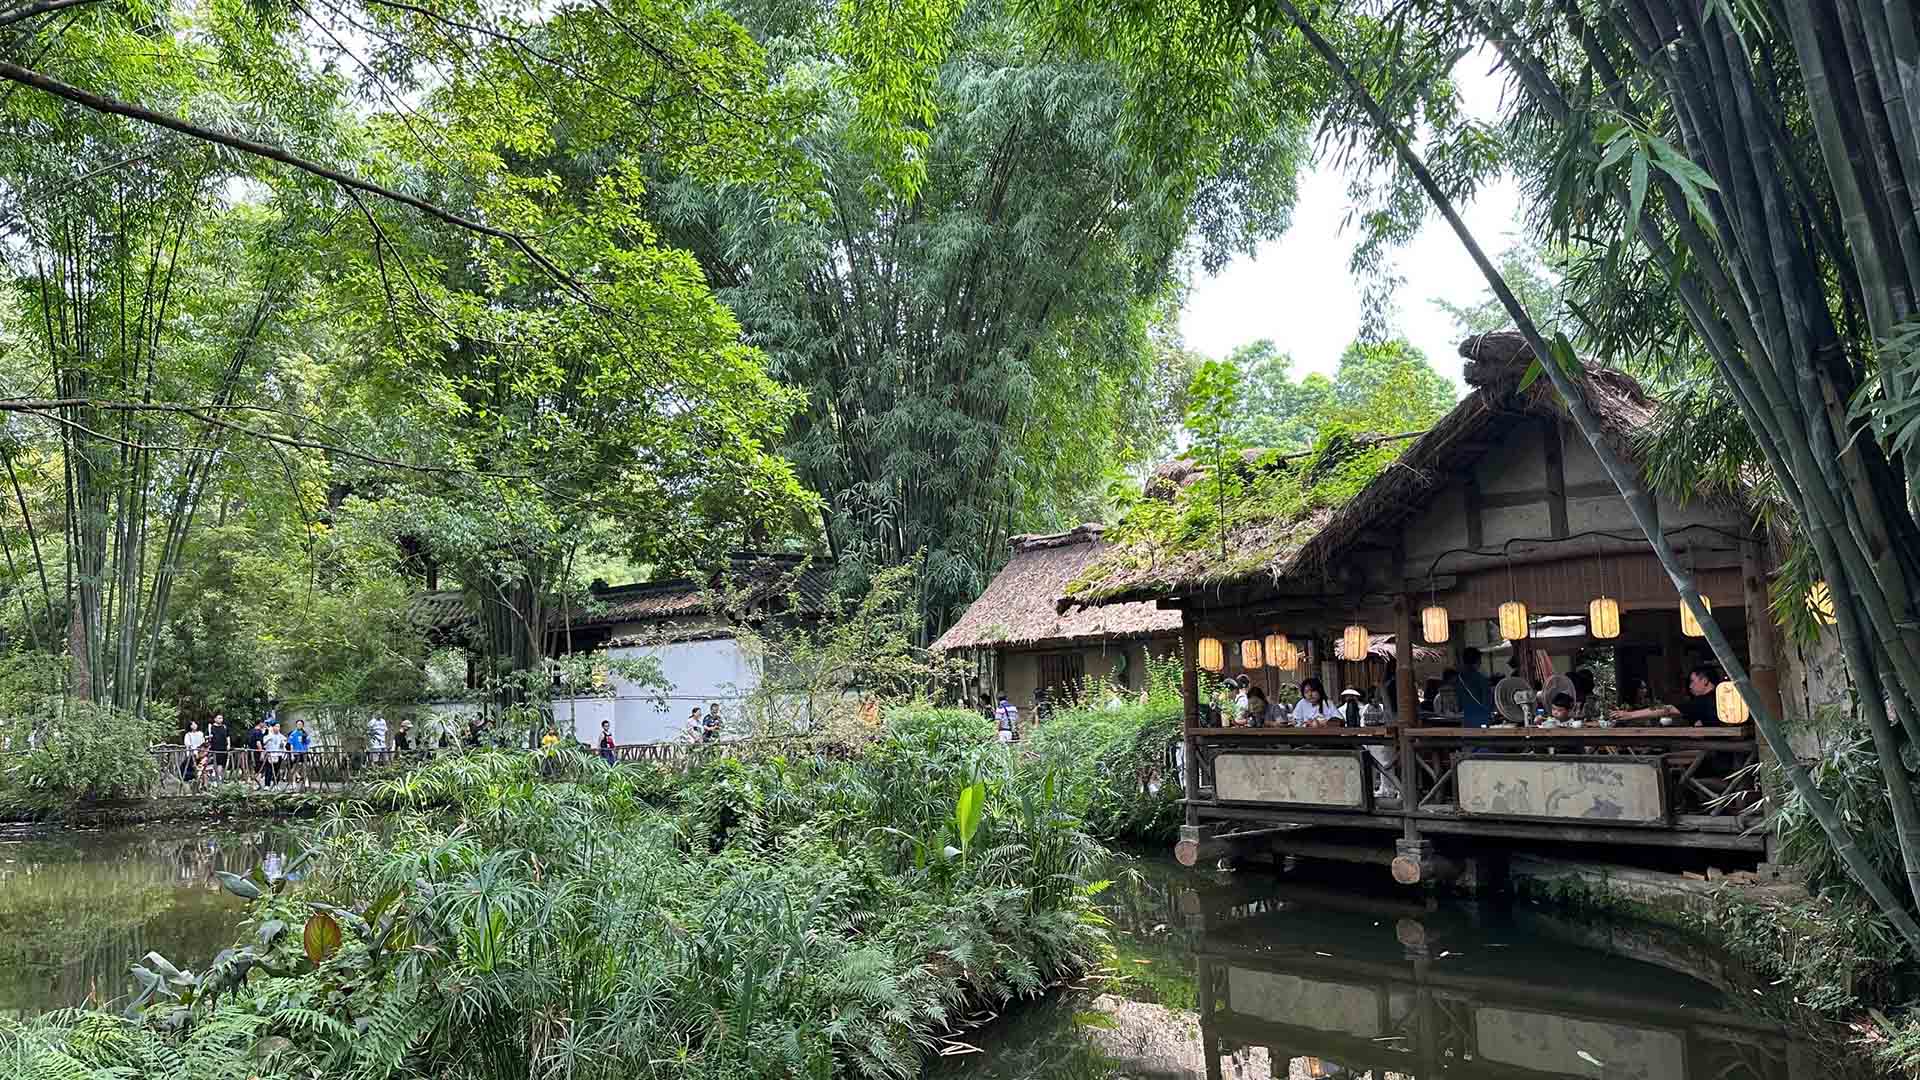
(1300, 549)
(1021, 605)
(755, 581)
(1382, 647)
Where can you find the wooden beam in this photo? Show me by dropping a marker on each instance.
(1470, 490)
(1409, 705)
(1556, 477)
(1190, 695)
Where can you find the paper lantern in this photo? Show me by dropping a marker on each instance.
(1354, 642)
(1820, 603)
(1434, 623)
(1275, 643)
(1603, 617)
(1210, 658)
(1689, 625)
(1727, 702)
(1513, 620)
(1288, 658)
(1250, 654)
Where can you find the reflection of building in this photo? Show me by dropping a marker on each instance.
(1336, 991)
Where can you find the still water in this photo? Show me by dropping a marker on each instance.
(1248, 975)
(1254, 975)
(77, 907)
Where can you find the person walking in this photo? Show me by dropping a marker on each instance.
(193, 741)
(256, 751)
(275, 746)
(298, 743)
(696, 728)
(218, 743)
(710, 727)
(606, 741)
(376, 738)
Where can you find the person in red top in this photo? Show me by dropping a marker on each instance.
(606, 740)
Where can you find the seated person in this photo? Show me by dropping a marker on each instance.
(1696, 711)
(1257, 712)
(1560, 709)
(1313, 709)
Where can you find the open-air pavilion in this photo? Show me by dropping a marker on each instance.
(1500, 505)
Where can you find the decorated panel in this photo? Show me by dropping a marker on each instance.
(1624, 791)
(1306, 779)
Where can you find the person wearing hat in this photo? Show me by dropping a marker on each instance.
(1313, 709)
(1349, 707)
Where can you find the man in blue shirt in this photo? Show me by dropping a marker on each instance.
(1476, 693)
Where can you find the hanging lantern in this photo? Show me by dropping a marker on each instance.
(1603, 617)
(1250, 654)
(1288, 658)
(1513, 620)
(1434, 623)
(1689, 625)
(1210, 658)
(1727, 702)
(1820, 603)
(1274, 644)
(1354, 642)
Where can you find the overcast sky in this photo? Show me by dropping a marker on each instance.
(1298, 290)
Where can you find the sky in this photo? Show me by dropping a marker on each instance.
(1298, 290)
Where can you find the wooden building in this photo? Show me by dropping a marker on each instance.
(1502, 501)
(1027, 648)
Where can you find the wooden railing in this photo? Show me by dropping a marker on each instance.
(320, 768)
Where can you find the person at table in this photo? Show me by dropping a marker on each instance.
(1476, 693)
(1560, 709)
(1696, 711)
(1257, 712)
(1350, 708)
(1313, 709)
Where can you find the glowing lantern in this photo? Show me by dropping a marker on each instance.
(1603, 617)
(1820, 602)
(1689, 625)
(1210, 658)
(1288, 658)
(1727, 702)
(1434, 623)
(1355, 642)
(1513, 620)
(1250, 654)
(1280, 652)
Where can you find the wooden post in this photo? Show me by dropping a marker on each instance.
(1403, 660)
(1190, 694)
(1762, 637)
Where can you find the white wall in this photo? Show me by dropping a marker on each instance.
(697, 673)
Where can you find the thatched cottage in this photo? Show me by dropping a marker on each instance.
(1025, 645)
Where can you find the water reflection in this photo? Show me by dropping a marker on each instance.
(77, 907)
(1259, 978)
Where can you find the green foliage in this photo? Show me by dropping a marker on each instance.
(80, 752)
(521, 912)
(1109, 754)
(984, 355)
(1387, 388)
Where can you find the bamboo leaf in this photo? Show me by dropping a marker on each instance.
(1636, 188)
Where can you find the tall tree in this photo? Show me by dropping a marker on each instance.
(978, 353)
(1386, 388)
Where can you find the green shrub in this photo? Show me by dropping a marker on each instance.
(524, 914)
(82, 753)
(1111, 753)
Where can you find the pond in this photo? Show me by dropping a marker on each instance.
(1264, 975)
(1254, 975)
(78, 906)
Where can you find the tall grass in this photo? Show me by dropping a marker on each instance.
(1111, 753)
(521, 915)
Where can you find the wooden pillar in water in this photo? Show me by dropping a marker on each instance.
(1190, 695)
(1409, 714)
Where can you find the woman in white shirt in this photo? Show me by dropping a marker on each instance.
(1313, 709)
